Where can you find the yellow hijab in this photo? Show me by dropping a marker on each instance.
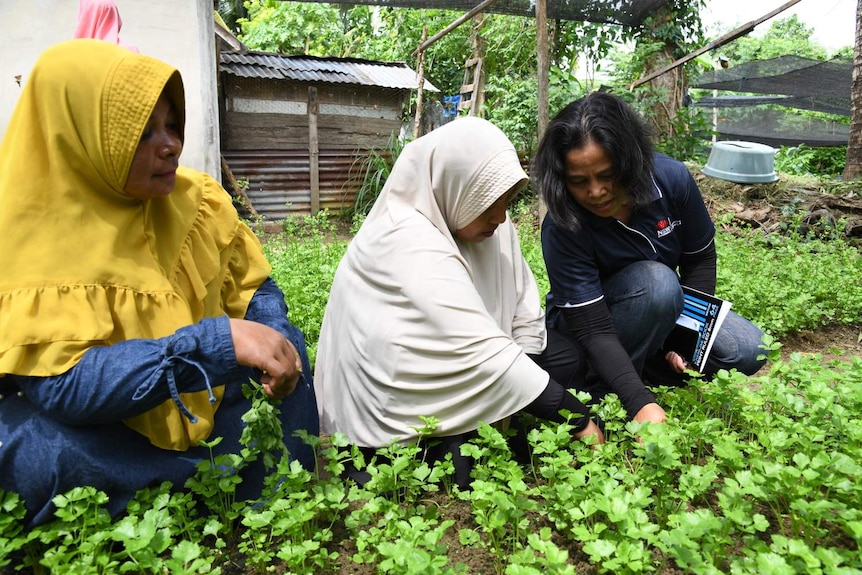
(85, 265)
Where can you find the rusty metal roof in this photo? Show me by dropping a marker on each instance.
(326, 70)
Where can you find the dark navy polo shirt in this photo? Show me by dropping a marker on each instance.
(675, 222)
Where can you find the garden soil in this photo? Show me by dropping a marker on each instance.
(827, 209)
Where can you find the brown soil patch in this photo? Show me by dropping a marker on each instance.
(811, 205)
(828, 209)
(834, 342)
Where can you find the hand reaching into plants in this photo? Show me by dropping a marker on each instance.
(262, 347)
(677, 362)
(652, 413)
(592, 429)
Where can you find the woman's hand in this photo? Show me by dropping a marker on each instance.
(677, 362)
(592, 429)
(262, 347)
(652, 413)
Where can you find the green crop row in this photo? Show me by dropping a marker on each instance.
(750, 474)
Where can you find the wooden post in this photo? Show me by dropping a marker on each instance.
(478, 43)
(543, 73)
(543, 64)
(853, 161)
(238, 190)
(420, 103)
(313, 149)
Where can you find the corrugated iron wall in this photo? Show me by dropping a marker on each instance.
(279, 183)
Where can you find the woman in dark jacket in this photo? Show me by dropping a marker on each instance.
(626, 227)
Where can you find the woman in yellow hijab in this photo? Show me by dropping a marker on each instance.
(134, 303)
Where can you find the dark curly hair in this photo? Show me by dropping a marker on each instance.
(609, 121)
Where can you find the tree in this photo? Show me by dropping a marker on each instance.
(231, 11)
(672, 32)
(511, 88)
(853, 164)
(305, 28)
(387, 34)
(784, 36)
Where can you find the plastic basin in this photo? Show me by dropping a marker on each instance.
(741, 162)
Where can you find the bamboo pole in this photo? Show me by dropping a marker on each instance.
(478, 8)
(420, 101)
(727, 38)
(313, 149)
(543, 64)
(543, 73)
(478, 43)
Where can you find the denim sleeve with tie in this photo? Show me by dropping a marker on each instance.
(112, 383)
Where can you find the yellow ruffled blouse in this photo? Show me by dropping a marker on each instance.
(85, 265)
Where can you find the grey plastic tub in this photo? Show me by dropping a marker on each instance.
(741, 162)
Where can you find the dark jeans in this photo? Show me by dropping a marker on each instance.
(645, 299)
(41, 458)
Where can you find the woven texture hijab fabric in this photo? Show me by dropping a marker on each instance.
(419, 323)
(85, 264)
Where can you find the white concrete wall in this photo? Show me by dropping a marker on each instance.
(179, 32)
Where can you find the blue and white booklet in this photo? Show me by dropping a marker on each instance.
(697, 326)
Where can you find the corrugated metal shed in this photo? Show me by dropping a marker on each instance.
(266, 127)
(279, 182)
(397, 75)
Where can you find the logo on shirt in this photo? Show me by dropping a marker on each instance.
(665, 226)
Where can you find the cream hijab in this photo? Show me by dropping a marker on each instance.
(420, 324)
(85, 265)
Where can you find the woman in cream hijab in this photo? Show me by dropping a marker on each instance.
(134, 301)
(433, 310)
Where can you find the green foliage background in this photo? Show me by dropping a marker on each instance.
(618, 54)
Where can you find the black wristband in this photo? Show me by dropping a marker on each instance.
(556, 398)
